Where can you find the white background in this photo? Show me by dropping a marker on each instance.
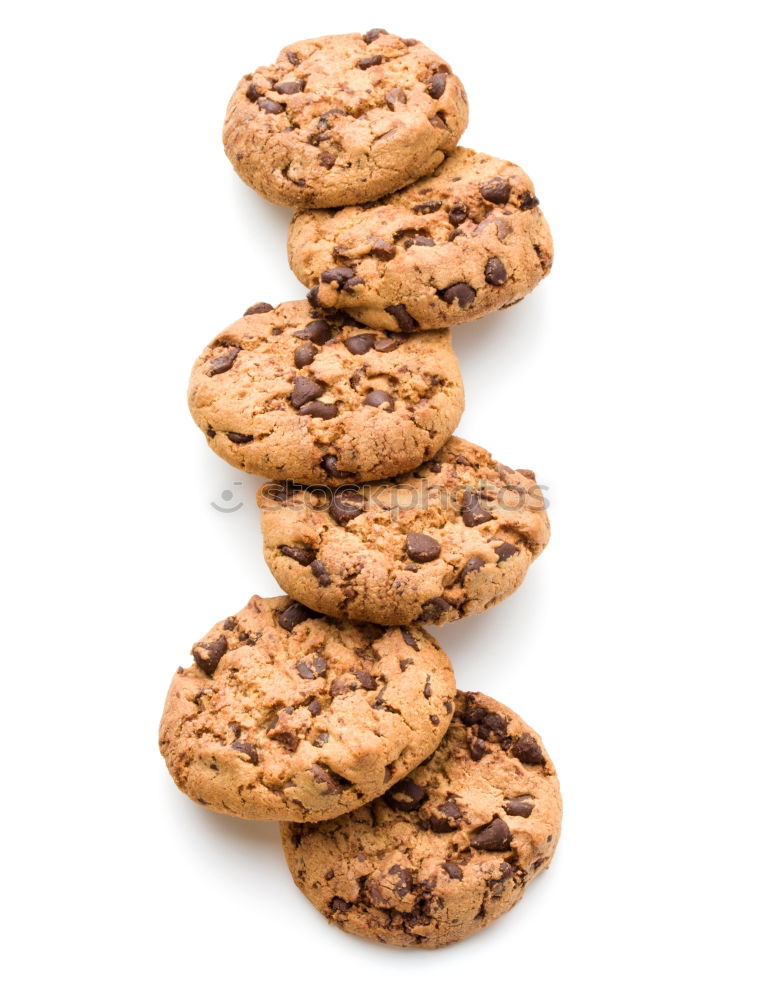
(628, 380)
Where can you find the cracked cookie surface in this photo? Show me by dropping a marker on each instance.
(290, 393)
(344, 118)
(449, 248)
(446, 850)
(288, 715)
(450, 539)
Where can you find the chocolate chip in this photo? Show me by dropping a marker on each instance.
(367, 680)
(494, 272)
(386, 344)
(252, 92)
(437, 85)
(360, 343)
(304, 670)
(341, 509)
(522, 806)
(305, 390)
(403, 884)
(324, 775)
(477, 749)
(320, 573)
(420, 241)
(339, 905)
(271, 107)
(337, 275)
(280, 492)
(497, 885)
(472, 512)
(434, 609)
(527, 200)
(434, 720)
(223, 362)
(527, 750)
(395, 96)
(409, 638)
(382, 250)
(294, 615)
(406, 795)
(460, 292)
(369, 61)
(314, 707)
(302, 556)
(453, 870)
(450, 809)
(370, 36)
(505, 551)
(409, 42)
(208, 654)
(406, 323)
(237, 438)
(313, 296)
(324, 123)
(247, 749)
(318, 332)
(380, 399)
(311, 669)
(258, 307)
(353, 282)
(493, 724)
(289, 86)
(327, 159)
(473, 564)
(330, 464)
(495, 836)
(496, 191)
(229, 624)
(292, 58)
(422, 548)
(427, 688)
(304, 355)
(458, 215)
(447, 818)
(327, 411)
(426, 207)
(287, 737)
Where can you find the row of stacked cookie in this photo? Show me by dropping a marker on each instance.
(413, 814)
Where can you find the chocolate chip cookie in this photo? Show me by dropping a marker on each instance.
(449, 848)
(292, 393)
(344, 118)
(449, 248)
(445, 541)
(288, 715)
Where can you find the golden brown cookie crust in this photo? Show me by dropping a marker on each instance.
(287, 715)
(450, 539)
(447, 249)
(447, 850)
(291, 393)
(344, 118)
